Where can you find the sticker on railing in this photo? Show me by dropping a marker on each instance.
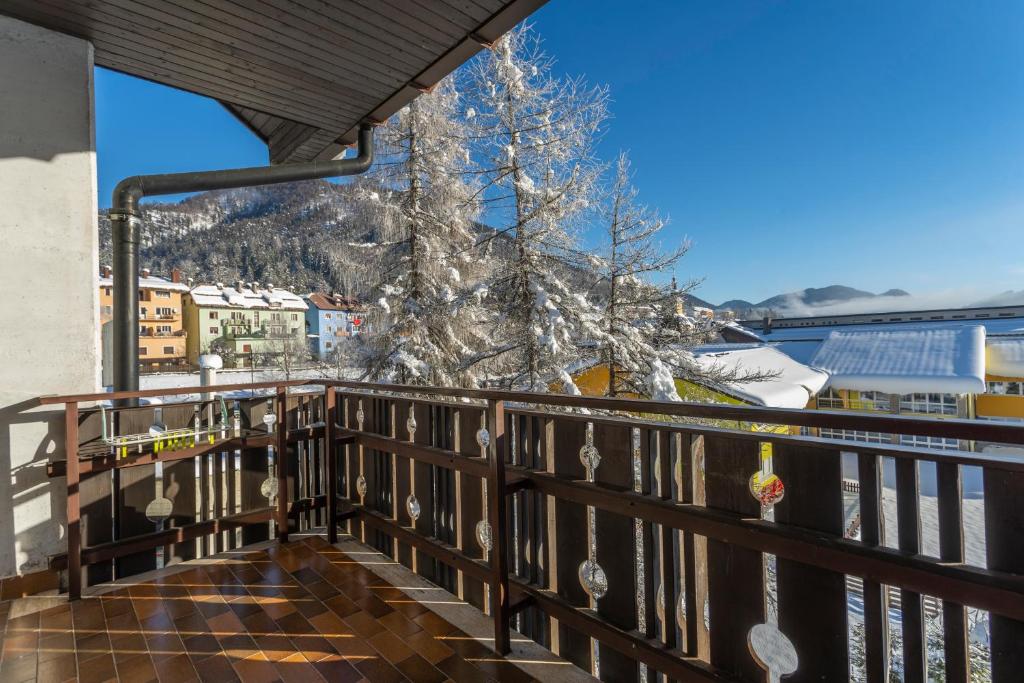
(483, 535)
(159, 509)
(593, 579)
(269, 488)
(360, 415)
(659, 606)
(410, 424)
(361, 486)
(483, 438)
(772, 651)
(412, 506)
(767, 488)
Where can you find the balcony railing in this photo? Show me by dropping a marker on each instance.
(633, 545)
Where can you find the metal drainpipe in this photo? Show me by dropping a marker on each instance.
(125, 228)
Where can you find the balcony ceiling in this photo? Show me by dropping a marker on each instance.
(301, 74)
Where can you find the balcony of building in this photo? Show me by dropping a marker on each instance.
(348, 528)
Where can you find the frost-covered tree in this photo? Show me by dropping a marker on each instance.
(422, 209)
(645, 336)
(534, 136)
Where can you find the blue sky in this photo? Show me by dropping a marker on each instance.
(803, 143)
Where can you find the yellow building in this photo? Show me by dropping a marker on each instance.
(162, 337)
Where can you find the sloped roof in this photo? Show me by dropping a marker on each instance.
(327, 302)
(246, 297)
(1005, 356)
(151, 282)
(794, 384)
(903, 361)
(300, 74)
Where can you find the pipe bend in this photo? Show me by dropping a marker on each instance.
(127, 194)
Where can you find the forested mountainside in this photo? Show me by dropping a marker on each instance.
(301, 236)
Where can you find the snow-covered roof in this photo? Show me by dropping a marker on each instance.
(246, 297)
(993, 327)
(949, 360)
(1005, 356)
(795, 383)
(151, 282)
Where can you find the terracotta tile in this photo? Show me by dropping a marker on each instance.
(175, 669)
(55, 646)
(374, 606)
(260, 623)
(255, 670)
(277, 607)
(225, 623)
(239, 646)
(428, 647)
(159, 622)
(306, 576)
(132, 643)
(329, 624)
(164, 645)
(364, 624)
(379, 671)
(56, 618)
(433, 624)
(138, 669)
(341, 606)
(215, 669)
(500, 669)
(295, 623)
(313, 648)
(56, 669)
(19, 669)
(243, 609)
(275, 647)
(462, 671)
(296, 668)
(190, 625)
(212, 608)
(337, 669)
(419, 670)
(353, 649)
(398, 623)
(391, 646)
(201, 647)
(96, 669)
(88, 646)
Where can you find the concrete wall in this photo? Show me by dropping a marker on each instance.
(49, 311)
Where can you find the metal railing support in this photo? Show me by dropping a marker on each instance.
(74, 503)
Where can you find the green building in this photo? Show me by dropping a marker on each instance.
(247, 325)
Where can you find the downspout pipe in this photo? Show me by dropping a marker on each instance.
(125, 222)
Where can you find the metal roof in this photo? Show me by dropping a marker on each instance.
(301, 74)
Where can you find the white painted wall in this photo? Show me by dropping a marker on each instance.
(49, 311)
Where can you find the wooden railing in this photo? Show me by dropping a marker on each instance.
(690, 562)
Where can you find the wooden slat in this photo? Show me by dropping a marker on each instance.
(876, 612)
(736, 576)
(73, 502)
(567, 539)
(281, 458)
(812, 601)
(1004, 549)
(908, 514)
(496, 512)
(951, 549)
(616, 551)
(331, 465)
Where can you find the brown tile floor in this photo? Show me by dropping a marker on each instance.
(300, 612)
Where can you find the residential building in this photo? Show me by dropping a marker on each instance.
(246, 324)
(330, 318)
(162, 337)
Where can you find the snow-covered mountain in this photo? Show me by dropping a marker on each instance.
(299, 236)
(797, 303)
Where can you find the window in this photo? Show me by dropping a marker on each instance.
(247, 348)
(929, 442)
(168, 350)
(163, 329)
(165, 311)
(144, 311)
(327, 315)
(256, 317)
(853, 435)
(163, 295)
(213, 330)
(295, 316)
(108, 310)
(143, 350)
(1006, 388)
(106, 290)
(328, 344)
(213, 315)
(929, 404)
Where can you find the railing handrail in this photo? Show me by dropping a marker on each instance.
(955, 428)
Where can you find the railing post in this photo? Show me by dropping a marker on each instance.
(74, 509)
(331, 455)
(497, 515)
(282, 464)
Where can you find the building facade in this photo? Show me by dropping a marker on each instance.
(247, 325)
(331, 318)
(162, 336)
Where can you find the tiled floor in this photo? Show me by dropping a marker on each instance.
(300, 612)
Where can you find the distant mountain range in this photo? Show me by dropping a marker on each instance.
(798, 303)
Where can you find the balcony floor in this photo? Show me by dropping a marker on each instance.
(305, 611)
